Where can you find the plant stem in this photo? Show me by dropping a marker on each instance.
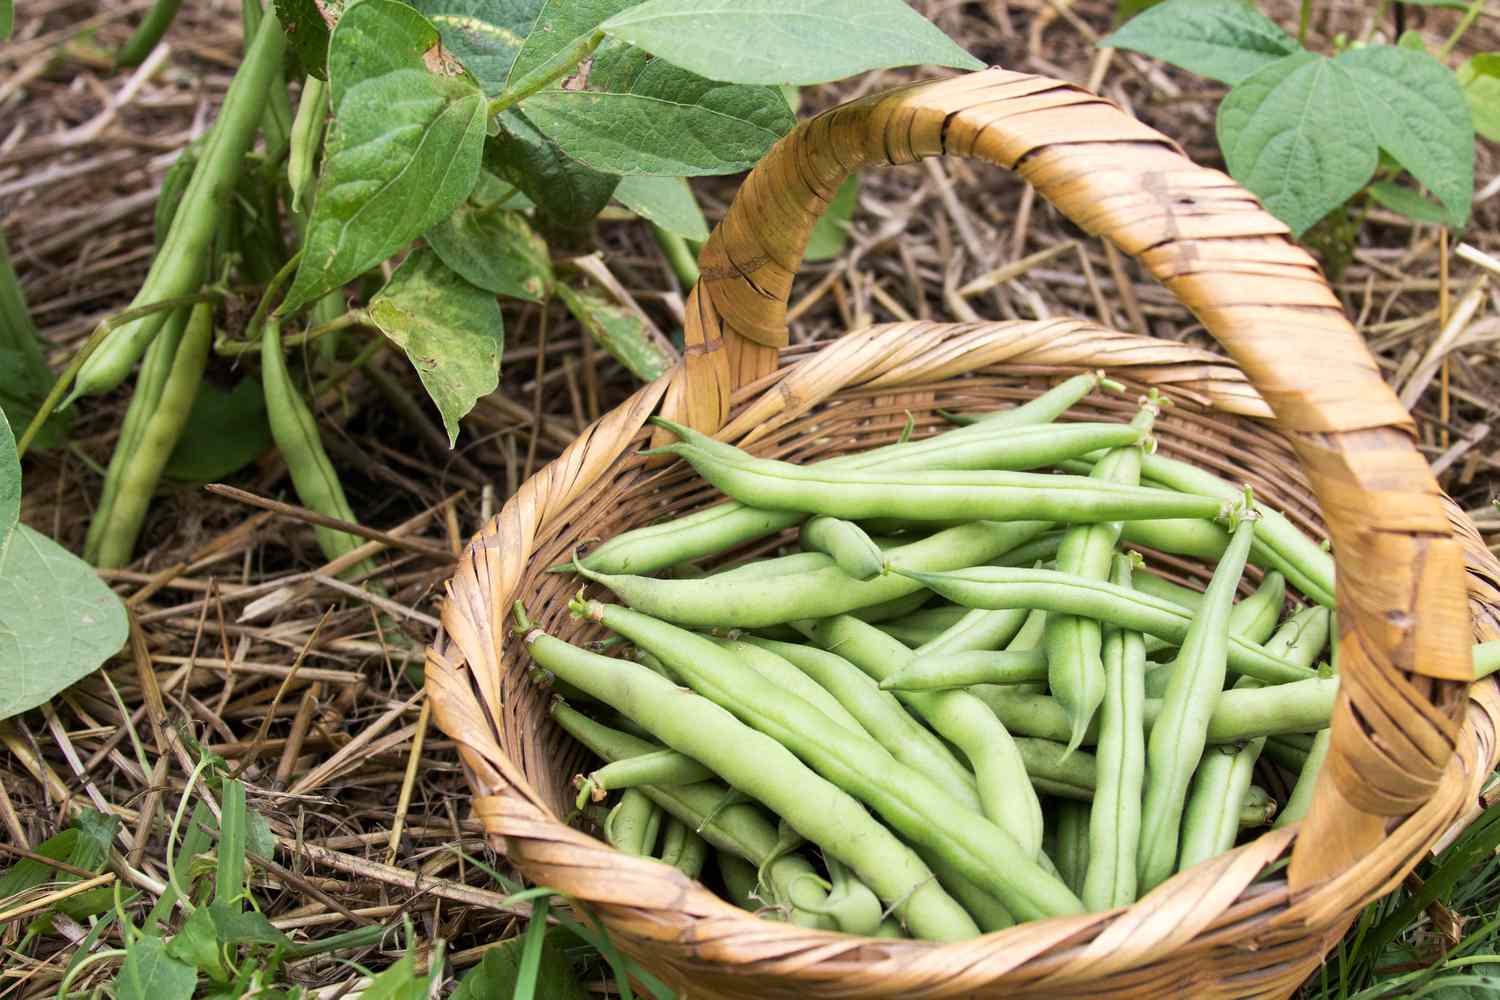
(684, 262)
(354, 317)
(548, 72)
(1304, 16)
(1470, 16)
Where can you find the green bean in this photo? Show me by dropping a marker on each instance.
(738, 829)
(1205, 540)
(980, 630)
(923, 625)
(881, 716)
(633, 824)
(910, 802)
(148, 388)
(296, 435)
(756, 602)
(146, 459)
(1115, 819)
(662, 767)
(960, 670)
(722, 527)
(1149, 583)
(1075, 667)
(760, 765)
(1072, 843)
(1040, 550)
(762, 569)
(1288, 756)
(306, 138)
(1050, 590)
(936, 494)
(1246, 713)
(1257, 809)
(1004, 794)
(846, 544)
(896, 607)
(1054, 402)
(850, 902)
(673, 838)
(689, 853)
(158, 19)
(1056, 770)
(781, 672)
(1181, 732)
(1486, 658)
(1251, 620)
(1278, 545)
(1303, 638)
(741, 881)
(178, 269)
(1216, 798)
(1299, 741)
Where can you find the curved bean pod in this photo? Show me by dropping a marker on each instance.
(632, 824)
(1216, 799)
(1007, 587)
(738, 829)
(911, 803)
(923, 625)
(1115, 819)
(1005, 796)
(755, 602)
(1181, 731)
(960, 670)
(846, 544)
(660, 767)
(158, 19)
(1072, 843)
(1251, 620)
(783, 673)
(935, 495)
(758, 764)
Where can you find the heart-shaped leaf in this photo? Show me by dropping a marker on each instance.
(1408, 203)
(661, 119)
(786, 41)
(225, 432)
(484, 35)
(403, 150)
(149, 973)
(306, 25)
(58, 621)
(1295, 134)
(666, 201)
(1222, 39)
(1417, 112)
(495, 249)
(619, 331)
(450, 330)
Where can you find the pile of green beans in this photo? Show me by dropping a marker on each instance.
(955, 699)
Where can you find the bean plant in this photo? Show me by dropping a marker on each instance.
(1320, 137)
(398, 169)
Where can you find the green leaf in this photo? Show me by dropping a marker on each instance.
(400, 982)
(58, 621)
(558, 25)
(665, 121)
(499, 973)
(149, 973)
(450, 330)
(10, 484)
(1479, 76)
(495, 249)
(1224, 40)
(229, 876)
(28, 873)
(7, 19)
(567, 194)
(244, 927)
(1295, 134)
(1408, 203)
(831, 231)
(197, 944)
(1412, 40)
(259, 839)
(1126, 9)
(225, 432)
(307, 31)
(485, 35)
(618, 331)
(787, 41)
(666, 201)
(1418, 114)
(403, 151)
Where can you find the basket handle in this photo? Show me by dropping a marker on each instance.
(1404, 628)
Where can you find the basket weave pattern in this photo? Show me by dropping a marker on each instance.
(1406, 757)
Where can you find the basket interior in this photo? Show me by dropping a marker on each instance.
(633, 493)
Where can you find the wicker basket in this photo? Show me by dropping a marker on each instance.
(1412, 742)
